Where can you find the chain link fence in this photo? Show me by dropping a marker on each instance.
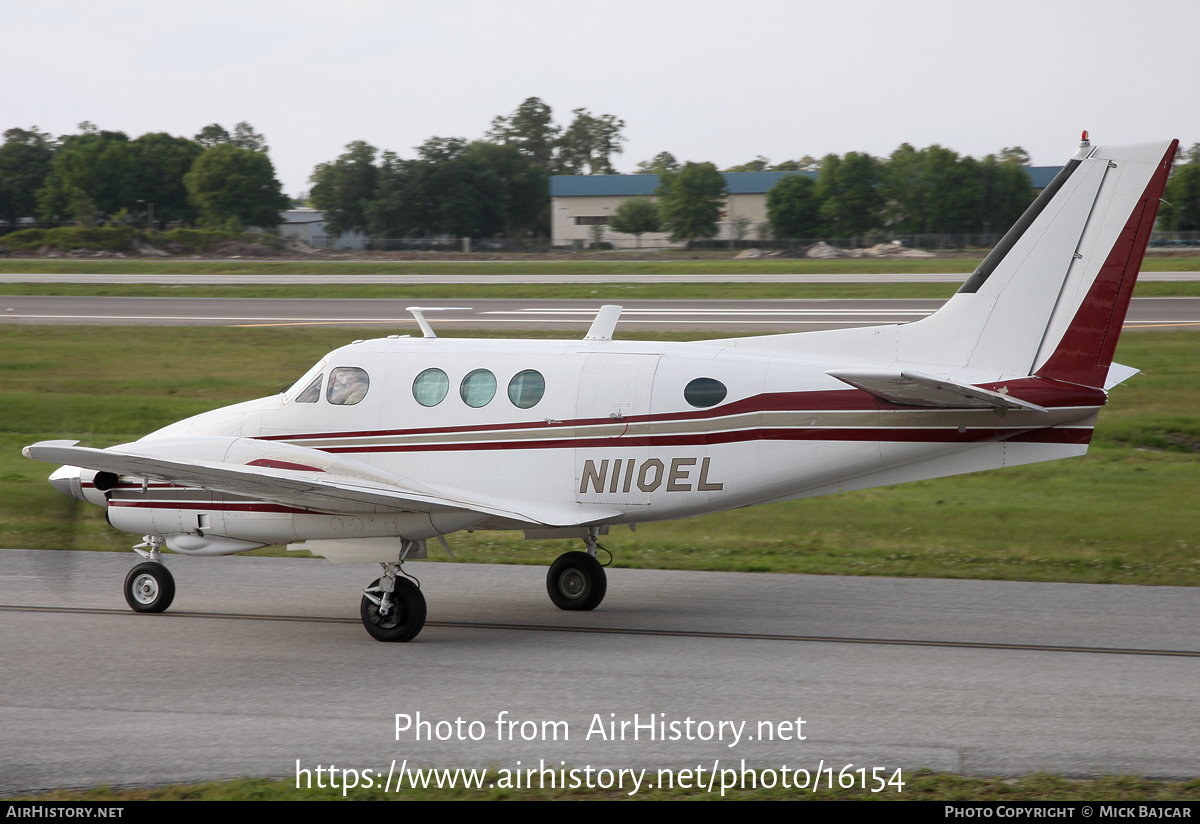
(927, 242)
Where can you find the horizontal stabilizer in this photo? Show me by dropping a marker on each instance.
(916, 389)
(1118, 373)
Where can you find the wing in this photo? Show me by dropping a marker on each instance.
(298, 476)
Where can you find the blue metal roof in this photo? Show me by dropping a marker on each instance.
(739, 183)
(1040, 176)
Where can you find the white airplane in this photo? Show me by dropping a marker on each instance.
(387, 443)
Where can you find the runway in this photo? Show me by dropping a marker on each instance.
(729, 317)
(262, 662)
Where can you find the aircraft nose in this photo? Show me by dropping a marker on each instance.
(66, 480)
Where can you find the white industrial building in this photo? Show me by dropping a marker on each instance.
(309, 226)
(578, 203)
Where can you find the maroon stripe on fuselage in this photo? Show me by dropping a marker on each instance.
(865, 434)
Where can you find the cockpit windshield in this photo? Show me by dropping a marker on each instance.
(305, 380)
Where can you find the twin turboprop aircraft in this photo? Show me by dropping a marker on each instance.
(388, 443)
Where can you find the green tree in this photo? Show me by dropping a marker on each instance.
(804, 164)
(82, 208)
(444, 191)
(758, 164)
(1181, 212)
(243, 137)
(530, 129)
(98, 163)
(589, 144)
(160, 162)
(636, 216)
(227, 182)
(932, 191)
(1006, 193)
(690, 200)
(25, 162)
(849, 192)
(1014, 154)
(344, 187)
(659, 164)
(523, 185)
(212, 135)
(794, 207)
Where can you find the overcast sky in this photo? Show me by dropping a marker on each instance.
(706, 81)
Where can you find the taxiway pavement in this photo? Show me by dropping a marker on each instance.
(262, 662)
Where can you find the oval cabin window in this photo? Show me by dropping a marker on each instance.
(478, 388)
(704, 392)
(526, 389)
(430, 387)
(347, 385)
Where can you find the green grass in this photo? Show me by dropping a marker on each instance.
(921, 785)
(1125, 513)
(549, 291)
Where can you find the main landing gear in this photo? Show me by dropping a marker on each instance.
(576, 580)
(149, 586)
(393, 608)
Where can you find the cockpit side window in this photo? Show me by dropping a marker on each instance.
(312, 393)
(305, 381)
(347, 385)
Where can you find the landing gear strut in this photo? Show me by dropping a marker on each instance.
(576, 581)
(393, 608)
(149, 586)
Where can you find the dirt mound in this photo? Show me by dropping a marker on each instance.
(238, 248)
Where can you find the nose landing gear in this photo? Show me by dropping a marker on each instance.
(393, 608)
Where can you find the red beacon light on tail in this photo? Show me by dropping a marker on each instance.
(1085, 147)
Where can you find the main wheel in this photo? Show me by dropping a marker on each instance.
(406, 618)
(149, 587)
(576, 581)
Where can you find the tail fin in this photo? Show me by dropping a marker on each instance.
(1082, 352)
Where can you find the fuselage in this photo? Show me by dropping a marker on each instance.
(630, 432)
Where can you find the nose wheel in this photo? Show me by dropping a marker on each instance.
(400, 617)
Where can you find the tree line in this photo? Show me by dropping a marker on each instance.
(913, 191)
(499, 184)
(926, 191)
(216, 179)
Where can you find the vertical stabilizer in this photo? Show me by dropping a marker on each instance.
(1082, 334)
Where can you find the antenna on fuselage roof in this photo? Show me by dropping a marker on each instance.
(604, 324)
(419, 313)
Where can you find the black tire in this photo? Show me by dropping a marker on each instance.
(406, 619)
(576, 581)
(149, 587)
